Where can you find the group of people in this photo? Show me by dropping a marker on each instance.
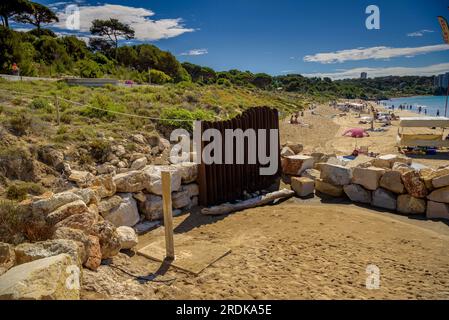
(420, 109)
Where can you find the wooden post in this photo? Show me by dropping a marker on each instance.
(58, 119)
(168, 217)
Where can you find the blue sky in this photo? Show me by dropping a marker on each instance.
(319, 37)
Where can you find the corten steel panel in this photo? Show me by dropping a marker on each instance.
(221, 182)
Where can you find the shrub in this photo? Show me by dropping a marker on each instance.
(107, 106)
(174, 114)
(20, 189)
(40, 104)
(224, 82)
(20, 123)
(88, 69)
(100, 149)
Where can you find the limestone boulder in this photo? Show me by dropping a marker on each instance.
(27, 252)
(192, 189)
(385, 199)
(440, 195)
(66, 211)
(427, 175)
(388, 160)
(131, 181)
(104, 185)
(328, 189)
(107, 204)
(408, 204)
(51, 278)
(437, 210)
(82, 221)
(188, 171)
(53, 201)
(296, 148)
(180, 199)
(414, 185)
(303, 186)
(7, 257)
(81, 178)
(369, 177)
(127, 237)
(152, 207)
(357, 193)
(286, 152)
(392, 181)
(88, 195)
(441, 178)
(108, 237)
(311, 174)
(139, 163)
(126, 214)
(93, 253)
(155, 178)
(335, 174)
(295, 165)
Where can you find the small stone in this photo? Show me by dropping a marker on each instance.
(303, 186)
(295, 147)
(66, 211)
(139, 163)
(128, 237)
(286, 151)
(311, 174)
(82, 178)
(108, 204)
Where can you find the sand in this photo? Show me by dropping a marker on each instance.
(325, 135)
(297, 250)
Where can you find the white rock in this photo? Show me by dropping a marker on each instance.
(384, 199)
(128, 237)
(387, 161)
(53, 202)
(357, 193)
(154, 185)
(188, 171)
(152, 207)
(82, 178)
(51, 278)
(132, 181)
(126, 214)
(335, 174)
(180, 199)
(367, 177)
(286, 151)
(311, 174)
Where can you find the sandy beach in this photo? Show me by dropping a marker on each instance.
(317, 248)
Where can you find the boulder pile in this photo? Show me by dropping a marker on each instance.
(388, 182)
(89, 223)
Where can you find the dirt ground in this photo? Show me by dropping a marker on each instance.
(325, 130)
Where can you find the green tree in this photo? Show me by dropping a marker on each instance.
(11, 8)
(112, 30)
(38, 15)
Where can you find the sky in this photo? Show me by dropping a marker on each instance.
(322, 38)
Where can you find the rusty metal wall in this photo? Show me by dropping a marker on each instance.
(220, 183)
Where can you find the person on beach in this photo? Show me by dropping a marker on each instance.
(438, 112)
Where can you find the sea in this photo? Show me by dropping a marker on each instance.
(430, 103)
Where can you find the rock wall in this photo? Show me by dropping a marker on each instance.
(387, 182)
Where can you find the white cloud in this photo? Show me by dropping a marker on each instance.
(382, 72)
(419, 33)
(195, 52)
(146, 29)
(372, 53)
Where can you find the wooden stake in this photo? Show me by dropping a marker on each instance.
(58, 119)
(168, 217)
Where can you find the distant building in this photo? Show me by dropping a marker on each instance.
(441, 81)
(363, 75)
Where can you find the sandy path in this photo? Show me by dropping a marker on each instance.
(302, 250)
